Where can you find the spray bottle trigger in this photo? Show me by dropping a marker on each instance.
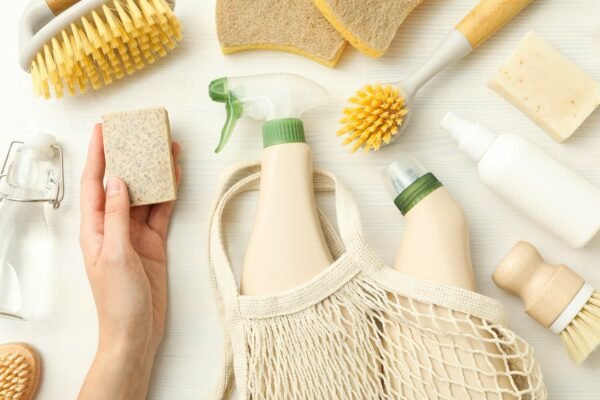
(234, 112)
(219, 92)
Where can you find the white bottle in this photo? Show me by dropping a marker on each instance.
(550, 194)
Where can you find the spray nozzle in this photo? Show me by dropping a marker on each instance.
(278, 99)
(219, 92)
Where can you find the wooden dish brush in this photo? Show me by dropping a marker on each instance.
(555, 296)
(20, 369)
(72, 45)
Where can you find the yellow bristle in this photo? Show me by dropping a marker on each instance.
(44, 88)
(52, 70)
(136, 16)
(83, 59)
(161, 12)
(35, 75)
(15, 376)
(109, 45)
(68, 52)
(118, 38)
(582, 336)
(148, 11)
(374, 117)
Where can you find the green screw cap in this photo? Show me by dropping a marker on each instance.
(284, 130)
(416, 192)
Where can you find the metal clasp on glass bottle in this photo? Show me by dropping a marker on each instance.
(59, 190)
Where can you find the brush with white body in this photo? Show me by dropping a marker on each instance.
(379, 113)
(73, 45)
(555, 296)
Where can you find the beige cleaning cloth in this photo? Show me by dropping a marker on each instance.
(369, 25)
(295, 26)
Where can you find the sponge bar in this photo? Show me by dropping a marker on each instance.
(369, 25)
(137, 148)
(295, 26)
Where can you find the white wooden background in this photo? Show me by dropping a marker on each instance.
(65, 330)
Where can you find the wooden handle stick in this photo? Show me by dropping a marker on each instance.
(58, 6)
(546, 290)
(487, 17)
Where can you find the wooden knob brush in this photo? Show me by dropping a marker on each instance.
(555, 296)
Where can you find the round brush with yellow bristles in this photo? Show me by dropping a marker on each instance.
(380, 113)
(72, 45)
(20, 369)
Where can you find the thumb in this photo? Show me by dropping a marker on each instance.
(116, 214)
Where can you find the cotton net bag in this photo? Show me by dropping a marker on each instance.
(361, 330)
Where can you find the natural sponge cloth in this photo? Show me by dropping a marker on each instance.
(137, 147)
(294, 26)
(20, 370)
(369, 25)
(547, 87)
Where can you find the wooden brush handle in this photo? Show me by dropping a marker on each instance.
(546, 290)
(487, 17)
(58, 6)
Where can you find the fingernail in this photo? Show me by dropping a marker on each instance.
(113, 186)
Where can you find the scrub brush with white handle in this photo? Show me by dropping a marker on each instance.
(73, 45)
(379, 113)
(555, 296)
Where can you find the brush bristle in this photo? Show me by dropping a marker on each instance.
(15, 376)
(582, 336)
(114, 41)
(374, 118)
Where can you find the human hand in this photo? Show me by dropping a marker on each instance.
(124, 250)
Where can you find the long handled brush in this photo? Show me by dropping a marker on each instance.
(378, 113)
(73, 45)
(555, 296)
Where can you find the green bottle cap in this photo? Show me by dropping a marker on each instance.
(416, 192)
(284, 130)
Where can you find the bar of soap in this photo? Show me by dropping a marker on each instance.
(547, 87)
(137, 148)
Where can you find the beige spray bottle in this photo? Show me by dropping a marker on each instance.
(287, 246)
(435, 247)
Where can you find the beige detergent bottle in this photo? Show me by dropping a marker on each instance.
(287, 246)
(435, 247)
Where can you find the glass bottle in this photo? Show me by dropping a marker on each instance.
(29, 181)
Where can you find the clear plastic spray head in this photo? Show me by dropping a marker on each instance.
(270, 97)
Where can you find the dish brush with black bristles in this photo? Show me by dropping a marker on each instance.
(74, 45)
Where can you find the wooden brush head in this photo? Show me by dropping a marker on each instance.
(20, 369)
(545, 289)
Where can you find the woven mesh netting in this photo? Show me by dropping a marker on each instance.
(365, 342)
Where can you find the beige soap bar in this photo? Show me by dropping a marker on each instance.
(137, 147)
(551, 90)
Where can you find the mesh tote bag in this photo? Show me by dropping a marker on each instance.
(359, 329)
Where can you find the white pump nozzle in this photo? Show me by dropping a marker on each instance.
(472, 138)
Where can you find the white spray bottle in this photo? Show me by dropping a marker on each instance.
(287, 246)
(546, 191)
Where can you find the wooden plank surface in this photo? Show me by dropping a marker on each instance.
(187, 366)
